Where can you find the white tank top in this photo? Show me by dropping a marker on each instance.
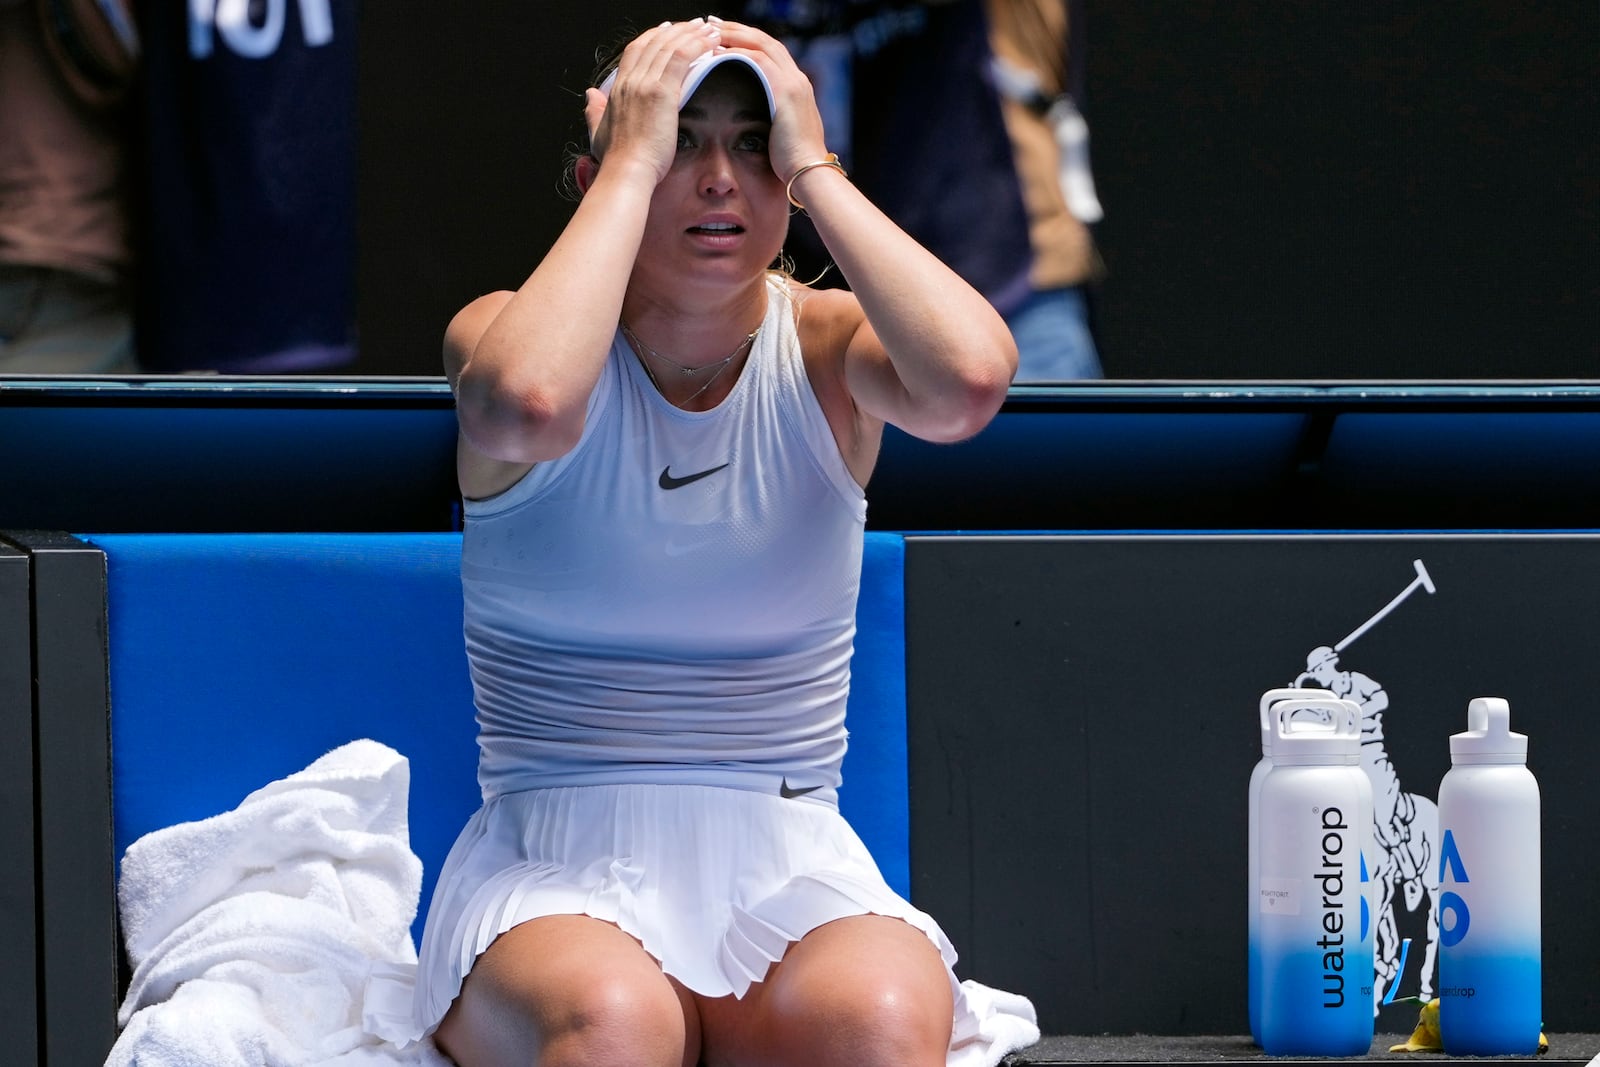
(673, 600)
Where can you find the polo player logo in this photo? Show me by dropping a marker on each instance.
(1405, 825)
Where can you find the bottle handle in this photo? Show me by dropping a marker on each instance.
(1273, 696)
(1343, 715)
(1482, 711)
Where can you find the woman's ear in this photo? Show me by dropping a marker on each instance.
(584, 170)
(594, 113)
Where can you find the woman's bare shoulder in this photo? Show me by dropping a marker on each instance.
(827, 319)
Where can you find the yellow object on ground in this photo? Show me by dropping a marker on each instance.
(1425, 1038)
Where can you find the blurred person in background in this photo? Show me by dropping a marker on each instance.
(247, 135)
(66, 67)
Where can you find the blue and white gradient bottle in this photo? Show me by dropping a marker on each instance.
(1489, 945)
(1258, 774)
(1316, 968)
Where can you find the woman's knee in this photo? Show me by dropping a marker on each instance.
(614, 1019)
(864, 1023)
(864, 1002)
(561, 999)
(604, 1021)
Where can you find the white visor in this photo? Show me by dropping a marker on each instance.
(699, 68)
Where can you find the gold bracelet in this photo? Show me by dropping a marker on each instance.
(831, 161)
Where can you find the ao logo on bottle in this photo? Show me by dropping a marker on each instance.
(1454, 917)
(230, 20)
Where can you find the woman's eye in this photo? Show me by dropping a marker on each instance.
(684, 140)
(752, 142)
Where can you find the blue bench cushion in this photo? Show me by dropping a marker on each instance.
(237, 659)
(876, 796)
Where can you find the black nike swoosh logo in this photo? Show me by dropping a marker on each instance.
(788, 792)
(667, 481)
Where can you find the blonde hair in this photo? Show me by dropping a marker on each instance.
(607, 58)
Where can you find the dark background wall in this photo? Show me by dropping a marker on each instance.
(1293, 188)
(1373, 190)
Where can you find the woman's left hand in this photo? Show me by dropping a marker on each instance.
(797, 136)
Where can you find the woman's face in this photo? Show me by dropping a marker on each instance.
(720, 214)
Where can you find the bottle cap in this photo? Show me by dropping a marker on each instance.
(1316, 730)
(1488, 737)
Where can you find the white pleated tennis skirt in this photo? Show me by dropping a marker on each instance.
(714, 882)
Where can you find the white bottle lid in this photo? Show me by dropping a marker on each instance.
(1321, 730)
(1488, 737)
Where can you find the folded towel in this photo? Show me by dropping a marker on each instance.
(1006, 1022)
(252, 932)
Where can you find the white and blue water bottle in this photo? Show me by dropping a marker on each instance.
(1489, 915)
(1316, 967)
(1258, 774)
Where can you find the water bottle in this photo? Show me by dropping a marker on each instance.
(1316, 967)
(1489, 946)
(1257, 775)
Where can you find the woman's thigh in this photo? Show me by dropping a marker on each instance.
(569, 989)
(866, 991)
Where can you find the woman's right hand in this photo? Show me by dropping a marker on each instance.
(638, 119)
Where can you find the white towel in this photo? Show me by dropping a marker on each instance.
(251, 933)
(1007, 1022)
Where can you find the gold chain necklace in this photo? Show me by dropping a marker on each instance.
(721, 365)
